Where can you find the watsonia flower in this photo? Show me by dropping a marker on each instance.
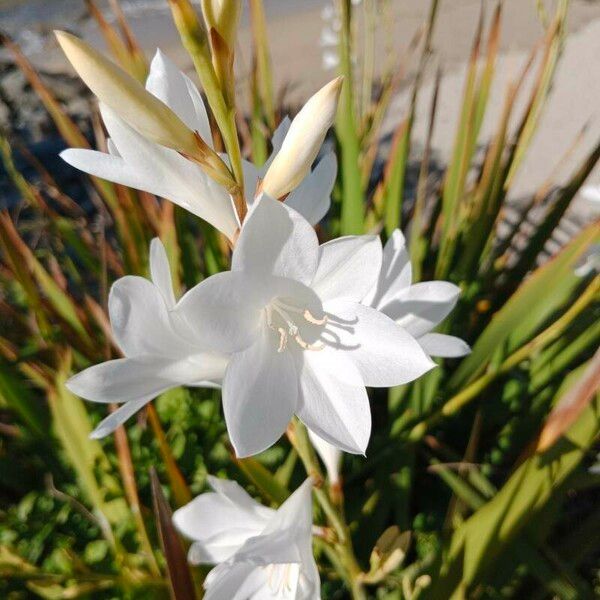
(290, 315)
(418, 308)
(261, 553)
(140, 162)
(158, 354)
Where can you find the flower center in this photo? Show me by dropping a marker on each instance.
(283, 318)
(281, 579)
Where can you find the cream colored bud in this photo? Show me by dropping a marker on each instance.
(224, 16)
(303, 141)
(151, 117)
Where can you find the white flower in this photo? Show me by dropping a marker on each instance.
(418, 307)
(140, 163)
(289, 313)
(158, 355)
(264, 554)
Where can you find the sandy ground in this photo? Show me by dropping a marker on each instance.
(295, 30)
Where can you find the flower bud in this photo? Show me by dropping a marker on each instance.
(303, 141)
(222, 15)
(151, 117)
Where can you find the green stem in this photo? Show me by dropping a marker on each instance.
(346, 131)
(181, 492)
(351, 572)
(196, 43)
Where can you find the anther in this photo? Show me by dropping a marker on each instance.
(312, 319)
(306, 346)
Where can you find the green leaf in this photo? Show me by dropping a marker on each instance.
(266, 483)
(481, 540)
(528, 308)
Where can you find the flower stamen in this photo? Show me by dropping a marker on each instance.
(306, 346)
(283, 310)
(312, 319)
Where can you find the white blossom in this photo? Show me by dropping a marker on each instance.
(261, 553)
(138, 162)
(300, 341)
(158, 354)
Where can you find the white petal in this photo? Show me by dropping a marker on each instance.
(334, 403)
(112, 85)
(233, 582)
(106, 166)
(384, 353)
(166, 173)
(282, 583)
(122, 380)
(117, 418)
(277, 142)
(218, 526)
(140, 320)
(162, 172)
(110, 146)
(176, 90)
(126, 379)
(276, 240)
(223, 312)
(260, 390)
(251, 176)
(233, 493)
(348, 267)
(396, 272)
(445, 346)
(160, 271)
(423, 306)
(295, 513)
(312, 198)
(330, 455)
(275, 547)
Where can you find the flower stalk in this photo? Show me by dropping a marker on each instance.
(181, 492)
(347, 566)
(196, 42)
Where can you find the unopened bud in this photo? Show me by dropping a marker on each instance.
(303, 141)
(224, 16)
(148, 115)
